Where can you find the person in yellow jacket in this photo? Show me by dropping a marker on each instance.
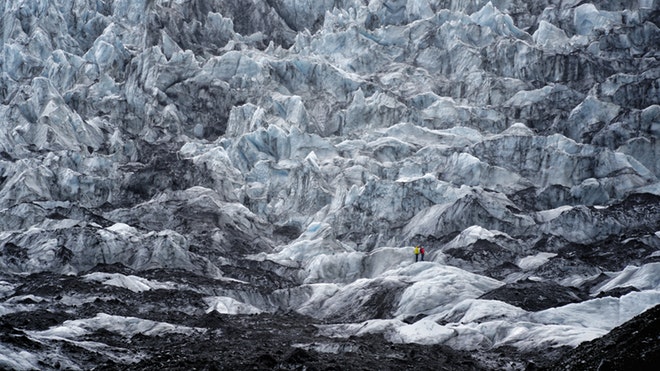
(416, 251)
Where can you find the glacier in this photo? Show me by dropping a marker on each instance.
(259, 171)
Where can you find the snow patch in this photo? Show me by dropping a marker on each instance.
(10, 359)
(227, 305)
(437, 288)
(125, 326)
(535, 261)
(548, 215)
(133, 283)
(646, 277)
(422, 332)
(601, 313)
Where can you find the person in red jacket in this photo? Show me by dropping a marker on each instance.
(421, 252)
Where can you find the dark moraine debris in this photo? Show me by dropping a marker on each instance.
(534, 296)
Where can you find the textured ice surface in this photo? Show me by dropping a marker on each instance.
(132, 283)
(294, 152)
(227, 305)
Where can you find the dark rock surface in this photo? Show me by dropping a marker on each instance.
(267, 341)
(534, 296)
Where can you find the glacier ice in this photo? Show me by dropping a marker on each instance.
(227, 305)
(313, 143)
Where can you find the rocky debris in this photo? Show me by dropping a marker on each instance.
(633, 345)
(535, 296)
(282, 340)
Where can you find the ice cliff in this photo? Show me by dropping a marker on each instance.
(295, 151)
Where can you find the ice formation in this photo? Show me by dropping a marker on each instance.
(294, 152)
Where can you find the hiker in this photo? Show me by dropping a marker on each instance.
(416, 251)
(421, 252)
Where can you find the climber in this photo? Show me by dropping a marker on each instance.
(416, 251)
(421, 252)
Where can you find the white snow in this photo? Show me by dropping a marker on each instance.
(535, 261)
(437, 288)
(480, 310)
(74, 331)
(227, 305)
(471, 235)
(122, 229)
(488, 324)
(25, 298)
(518, 129)
(130, 282)
(547, 215)
(125, 326)
(601, 313)
(6, 289)
(11, 359)
(646, 277)
(424, 331)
